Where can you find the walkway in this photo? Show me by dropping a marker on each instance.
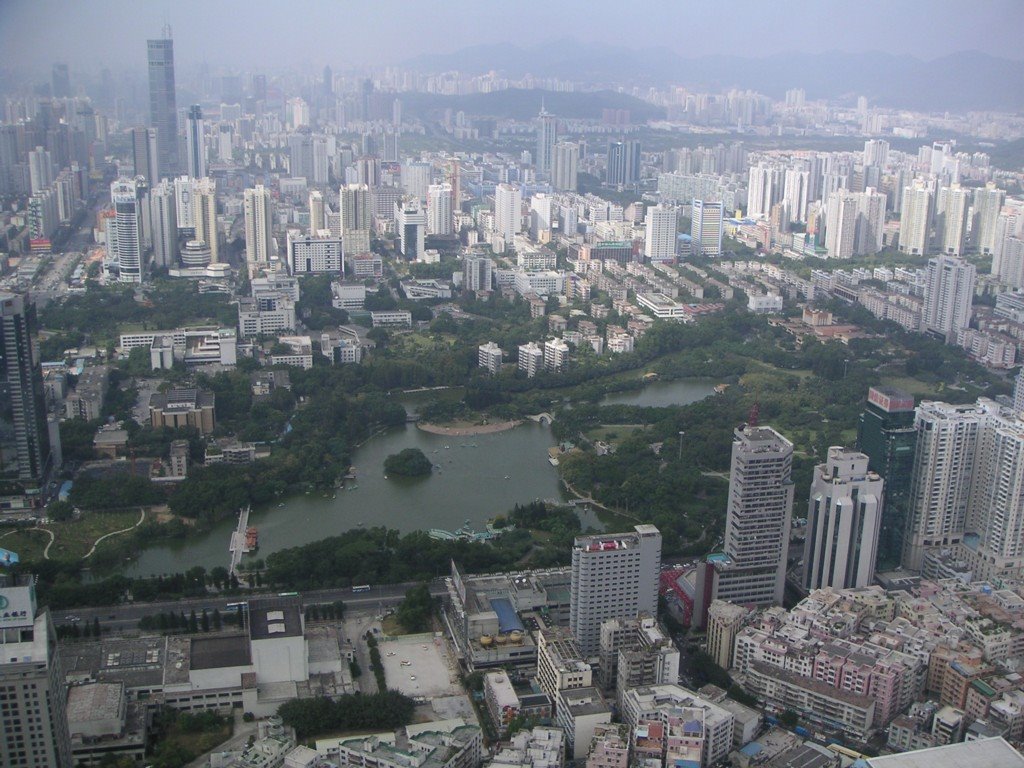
(237, 546)
(142, 518)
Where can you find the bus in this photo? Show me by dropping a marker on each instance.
(361, 588)
(287, 594)
(235, 606)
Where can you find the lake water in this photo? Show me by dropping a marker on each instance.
(475, 478)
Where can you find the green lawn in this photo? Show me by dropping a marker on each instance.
(27, 543)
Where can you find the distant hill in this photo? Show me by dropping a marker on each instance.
(523, 104)
(959, 81)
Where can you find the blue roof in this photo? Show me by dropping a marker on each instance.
(508, 621)
(751, 749)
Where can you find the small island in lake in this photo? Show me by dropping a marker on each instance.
(408, 463)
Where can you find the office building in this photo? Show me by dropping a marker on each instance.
(948, 293)
(565, 166)
(259, 229)
(411, 223)
(477, 272)
(541, 222)
(439, 209)
(944, 462)
(843, 521)
(184, 208)
(916, 217)
(634, 652)
(177, 408)
(886, 433)
(547, 137)
(725, 620)
(613, 576)
(195, 143)
(356, 209)
(623, 163)
(144, 154)
(415, 179)
(508, 212)
(204, 215)
(951, 219)
(319, 253)
(706, 227)
(660, 238)
(841, 224)
(33, 715)
(317, 212)
(125, 238)
(25, 445)
(163, 220)
(163, 110)
(752, 569)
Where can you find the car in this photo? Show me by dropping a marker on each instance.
(412, 677)
(406, 663)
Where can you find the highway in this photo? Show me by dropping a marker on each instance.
(119, 619)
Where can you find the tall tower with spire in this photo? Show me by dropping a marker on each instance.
(163, 109)
(547, 137)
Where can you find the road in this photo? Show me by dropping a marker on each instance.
(118, 619)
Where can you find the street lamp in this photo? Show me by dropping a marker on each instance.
(681, 433)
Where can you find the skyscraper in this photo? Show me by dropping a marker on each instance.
(547, 137)
(317, 217)
(843, 520)
(416, 179)
(614, 576)
(195, 143)
(356, 205)
(162, 213)
(163, 109)
(40, 169)
(476, 273)
(660, 236)
(706, 227)
(125, 237)
(144, 154)
(947, 439)
(870, 222)
(439, 209)
(762, 190)
(841, 224)
(795, 195)
(951, 219)
(623, 162)
(916, 218)
(508, 212)
(411, 221)
(948, 293)
(886, 434)
(752, 570)
(988, 202)
(29, 453)
(33, 718)
(565, 166)
(259, 228)
(61, 81)
(204, 211)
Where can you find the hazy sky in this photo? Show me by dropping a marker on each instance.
(259, 34)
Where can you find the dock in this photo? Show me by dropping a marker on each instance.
(238, 546)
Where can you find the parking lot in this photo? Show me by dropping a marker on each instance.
(418, 666)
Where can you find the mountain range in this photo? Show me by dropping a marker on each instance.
(968, 80)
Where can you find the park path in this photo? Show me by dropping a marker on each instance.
(142, 518)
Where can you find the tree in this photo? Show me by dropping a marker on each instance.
(205, 621)
(789, 718)
(60, 511)
(217, 621)
(411, 462)
(417, 610)
(96, 626)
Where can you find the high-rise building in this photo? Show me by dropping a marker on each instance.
(317, 218)
(163, 110)
(508, 212)
(948, 293)
(162, 214)
(614, 576)
(870, 222)
(841, 224)
(876, 152)
(411, 222)
(125, 238)
(947, 438)
(886, 434)
(144, 154)
(26, 440)
(762, 190)
(40, 169)
(623, 162)
(530, 359)
(988, 202)
(556, 355)
(317, 253)
(61, 78)
(752, 570)
(707, 221)
(259, 228)
(565, 166)
(1018, 392)
(33, 718)
(476, 273)
(795, 193)
(541, 217)
(547, 137)
(416, 180)
(195, 143)
(204, 215)
(184, 206)
(916, 218)
(489, 357)
(951, 219)
(439, 209)
(660, 238)
(843, 521)
(356, 208)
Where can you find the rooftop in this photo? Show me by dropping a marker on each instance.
(94, 701)
(991, 753)
(275, 618)
(219, 652)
